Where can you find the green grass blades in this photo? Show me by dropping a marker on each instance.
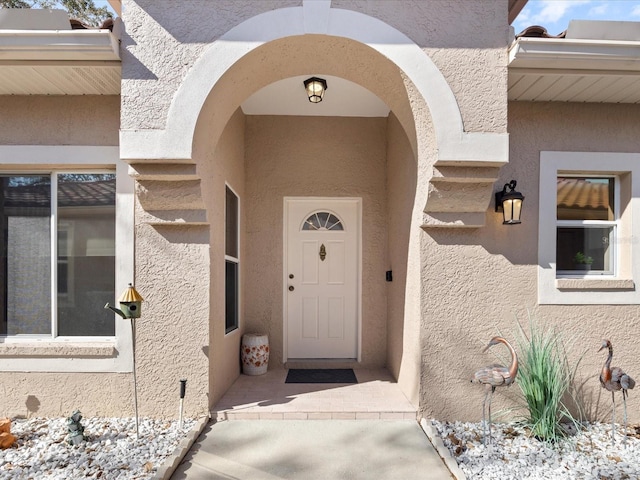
(545, 379)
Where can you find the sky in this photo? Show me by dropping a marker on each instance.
(554, 15)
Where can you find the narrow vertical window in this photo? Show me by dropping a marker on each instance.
(232, 248)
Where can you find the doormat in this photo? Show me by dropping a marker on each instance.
(330, 375)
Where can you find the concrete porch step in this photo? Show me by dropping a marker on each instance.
(376, 396)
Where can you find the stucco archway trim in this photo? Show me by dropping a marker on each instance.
(455, 146)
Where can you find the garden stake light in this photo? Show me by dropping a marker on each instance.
(183, 389)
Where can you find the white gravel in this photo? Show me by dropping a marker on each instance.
(111, 451)
(588, 454)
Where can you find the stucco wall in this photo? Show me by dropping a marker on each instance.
(324, 157)
(59, 120)
(466, 40)
(180, 32)
(220, 166)
(172, 269)
(401, 188)
(476, 283)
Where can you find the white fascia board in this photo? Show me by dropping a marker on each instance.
(34, 45)
(570, 54)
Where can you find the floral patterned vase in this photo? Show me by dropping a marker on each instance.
(254, 353)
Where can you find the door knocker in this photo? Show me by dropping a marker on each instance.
(323, 252)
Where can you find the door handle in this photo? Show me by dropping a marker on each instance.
(291, 288)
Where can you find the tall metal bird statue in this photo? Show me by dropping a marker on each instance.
(493, 376)
(614, 379)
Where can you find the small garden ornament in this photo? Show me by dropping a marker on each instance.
(614, 379)
(130, 308)
(75, 429)
(493, 376)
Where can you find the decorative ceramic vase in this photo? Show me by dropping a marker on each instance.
(254, 353)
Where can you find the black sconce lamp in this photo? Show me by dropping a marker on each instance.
(510, 202)
(315, 88)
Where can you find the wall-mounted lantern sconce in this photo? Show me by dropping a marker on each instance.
(510, 202)
(315, 88)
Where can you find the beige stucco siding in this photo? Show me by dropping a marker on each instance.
(180, 32)
(452, 34)
(63, 120)
(403, 359)
(220, 166)
(59, 120)
(323, 157)
(477, 283)
(59, 394)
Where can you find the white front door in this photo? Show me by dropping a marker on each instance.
(321, 269)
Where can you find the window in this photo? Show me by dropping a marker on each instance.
(57, 254)
(586, 248)
(231, 260)
(322, 221)
(586, 225)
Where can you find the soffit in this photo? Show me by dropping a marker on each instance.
(574, 70)
(55, 62)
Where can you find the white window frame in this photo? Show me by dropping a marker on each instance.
(622, 285)
(59, 354)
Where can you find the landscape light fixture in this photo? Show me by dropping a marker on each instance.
(510, 202)
(315, 88)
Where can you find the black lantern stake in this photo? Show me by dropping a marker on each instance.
(510, 202)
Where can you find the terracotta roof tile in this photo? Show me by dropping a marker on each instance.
(578, 199)
(537, 31)
(78, 25)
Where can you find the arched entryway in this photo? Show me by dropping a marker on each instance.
(209, 145)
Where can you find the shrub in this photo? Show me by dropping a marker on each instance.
(545, 378)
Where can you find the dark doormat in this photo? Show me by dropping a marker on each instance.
(330, 375)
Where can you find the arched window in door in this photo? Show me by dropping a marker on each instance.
(322, 221)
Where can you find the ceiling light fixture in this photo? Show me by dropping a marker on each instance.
(315, 88)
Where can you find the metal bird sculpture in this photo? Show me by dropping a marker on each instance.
(614, 379)
(493, 376)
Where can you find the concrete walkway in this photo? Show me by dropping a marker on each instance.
(313, 449)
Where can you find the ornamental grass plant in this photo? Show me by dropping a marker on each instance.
(546, 379)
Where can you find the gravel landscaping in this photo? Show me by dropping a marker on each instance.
(588, 454)
(111, 451)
